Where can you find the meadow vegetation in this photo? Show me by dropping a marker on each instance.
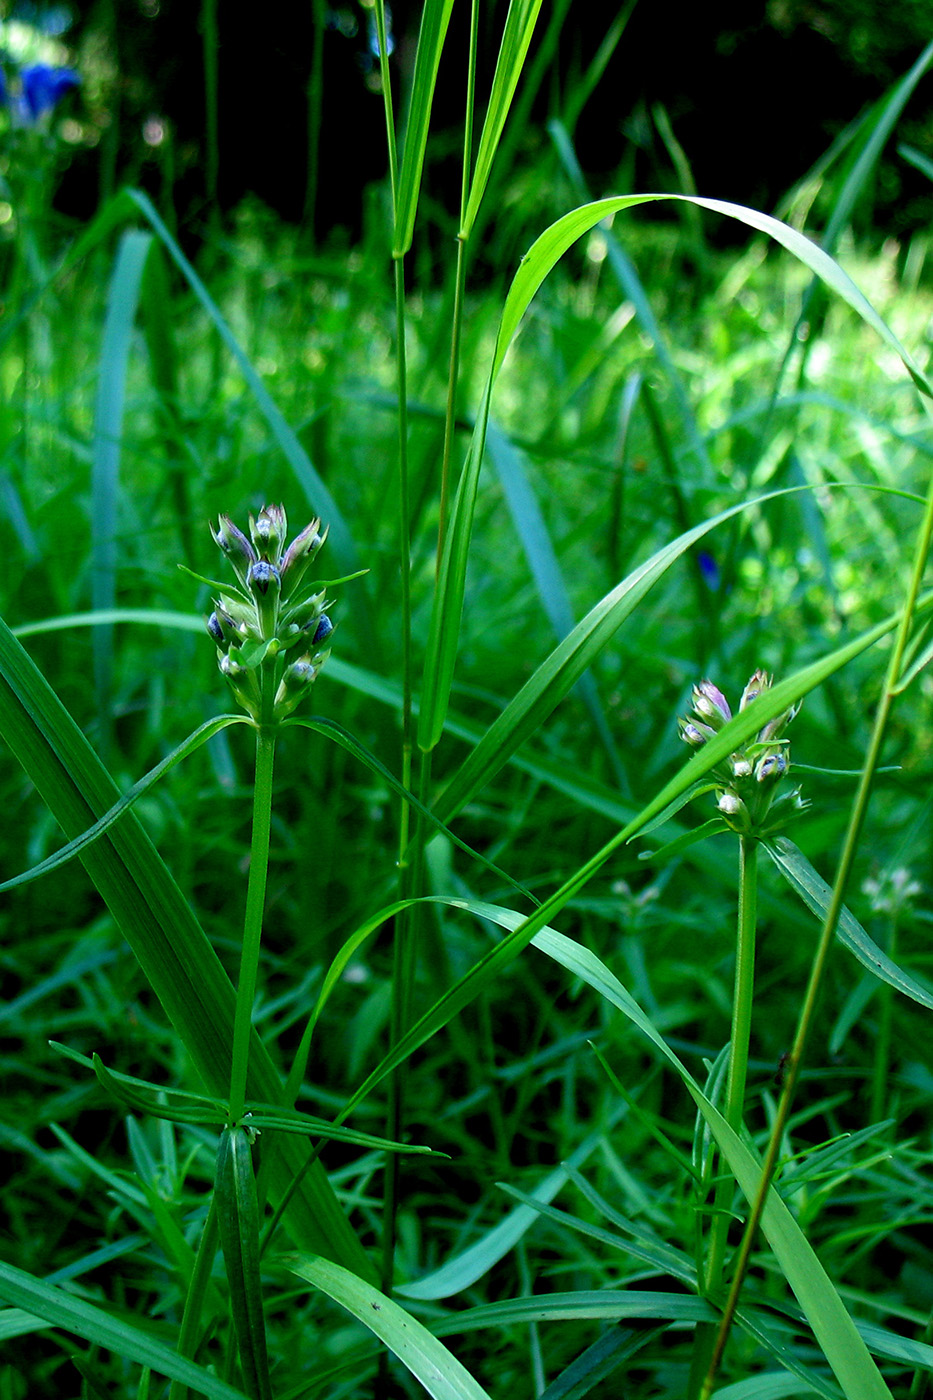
(707, 454)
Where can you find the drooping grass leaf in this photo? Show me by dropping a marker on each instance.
(831, 1324)
(447, 611)
(816, 895)
(160, 927)
(60, 1309)
(122, 301)
(419, 1351)
(554, 242)
(73, 848)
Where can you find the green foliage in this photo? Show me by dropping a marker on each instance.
(496, 974)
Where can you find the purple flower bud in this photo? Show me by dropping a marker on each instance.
(771, 767)
(760, 681)
(235, 545)
(695, 735)
(711, 705)
(299, 554)
(215, 629)
(323, 631)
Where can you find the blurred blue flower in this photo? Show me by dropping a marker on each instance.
(44, 87)
(709, 569)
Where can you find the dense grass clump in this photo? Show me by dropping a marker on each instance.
(465, 1029)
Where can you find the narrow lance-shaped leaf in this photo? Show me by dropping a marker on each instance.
(519, 27)
(428, 1360)
(816, 895)
(434, 20)
(160, 927)
(535, 266)
(93, 1324)
(238, 1222)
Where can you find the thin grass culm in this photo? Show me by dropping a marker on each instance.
(270, 628)
(754, 802)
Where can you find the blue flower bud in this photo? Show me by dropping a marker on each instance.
(262, 576)
(324, 629)
(771, 767)
(44, 87)
(265, 584)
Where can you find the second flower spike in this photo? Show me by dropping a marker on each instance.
(748, 798)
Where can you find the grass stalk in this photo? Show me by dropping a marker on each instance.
(742, 999)
(881, 1067)
(847, 859)
(743, 993)
(252, 923)
(453, 376)
(194, 1301)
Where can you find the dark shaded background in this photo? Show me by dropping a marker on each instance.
(755, 93)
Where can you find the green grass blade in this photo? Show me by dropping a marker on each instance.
(535, 266)
(159, 926)
(93, 1324)
(519, 27)
(471, 1264)
(555, 241)
(434, 20)
(600, 1361)
(816, 895)
(238, 1224)
(193, 742)
(542, 560)
(831, 1324)
(330, 729)
(317, 494)
(122, 301)
(560, 671)
(585, 85)
(871, 144)
(428, 1360)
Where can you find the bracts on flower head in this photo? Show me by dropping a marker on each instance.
(299, 555)
(235, 545)
(267, 616)
(747, 798)
(268, 531)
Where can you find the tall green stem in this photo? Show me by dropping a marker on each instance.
(827, 933)
(742, 996)
(252, 923)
